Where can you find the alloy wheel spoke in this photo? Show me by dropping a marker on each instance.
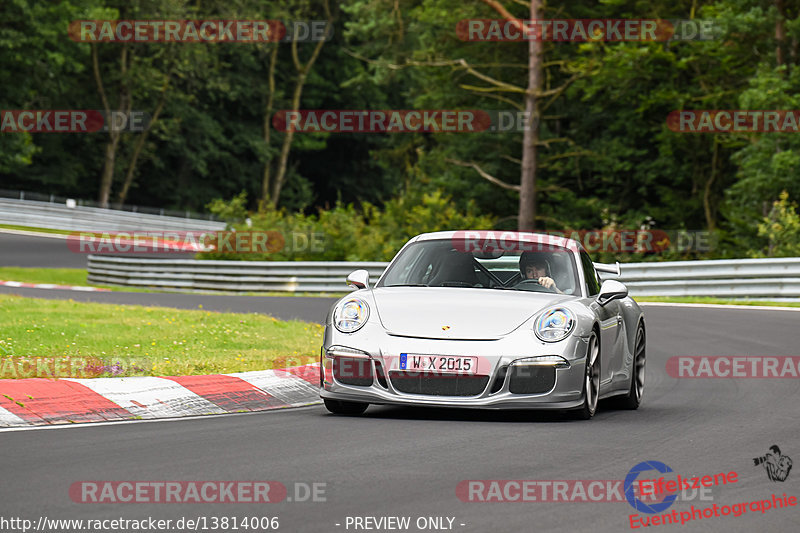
(639, 363)
(593, 377)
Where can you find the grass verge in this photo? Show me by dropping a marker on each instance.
(55, 338)
(58, 276)
(709, 300)
(36, 230)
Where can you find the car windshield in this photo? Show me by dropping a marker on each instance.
(521, 266)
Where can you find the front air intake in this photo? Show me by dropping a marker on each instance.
(356, 371)
(531, 379)
(437, 384)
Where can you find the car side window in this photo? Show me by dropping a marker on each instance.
(589, 273)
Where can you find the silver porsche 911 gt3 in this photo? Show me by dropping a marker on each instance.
(485, 320)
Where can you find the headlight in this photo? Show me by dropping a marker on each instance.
(350, 315)
(554, 325)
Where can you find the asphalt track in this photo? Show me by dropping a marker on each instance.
(42, 252)
(408, 462)
(309, 309)
(36, 251)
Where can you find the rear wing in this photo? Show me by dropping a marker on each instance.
(608, 269)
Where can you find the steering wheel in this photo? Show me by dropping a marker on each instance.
(535, 282)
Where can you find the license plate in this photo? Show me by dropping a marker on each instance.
(440, 364)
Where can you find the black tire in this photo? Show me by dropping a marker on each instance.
(339, 407)
(634, 398)
(591, 381)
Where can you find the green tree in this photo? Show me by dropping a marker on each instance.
(781, 229)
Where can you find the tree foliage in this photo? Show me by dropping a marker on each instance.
(604, 154)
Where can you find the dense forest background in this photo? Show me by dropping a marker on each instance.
(604, 156)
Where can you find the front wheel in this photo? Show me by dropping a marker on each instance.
(339, 407)
(634, 397)
(591, 380)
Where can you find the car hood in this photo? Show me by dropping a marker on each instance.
(457, 313)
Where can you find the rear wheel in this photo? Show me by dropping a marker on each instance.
(634, 397)
(591, 380)
(340, 407)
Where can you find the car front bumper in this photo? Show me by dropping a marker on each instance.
(502, 380)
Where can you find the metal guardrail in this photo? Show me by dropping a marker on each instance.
(738, 278)
(730, 278)
(131, 208)
(81, 218)
(231, 276)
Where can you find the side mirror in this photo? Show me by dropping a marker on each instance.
(611, 290)
(359, 279)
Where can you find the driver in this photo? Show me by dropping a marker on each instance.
(535, 266)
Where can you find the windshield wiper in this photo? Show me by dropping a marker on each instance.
(408, 285)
